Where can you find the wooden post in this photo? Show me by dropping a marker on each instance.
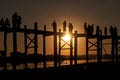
(35, 44)
(75, 48)
(55, 43)
(25, 43)
(5, 49)
(116, 47)
(44, 47)
(98, 46)
(14, 45)
(112, 49)
(87, 49)
(71, 51)
(59, 46)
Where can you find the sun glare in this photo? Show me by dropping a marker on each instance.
(66, 37)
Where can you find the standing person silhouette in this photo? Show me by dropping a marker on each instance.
(70, 27)
(2, 23)
(85, 28)
(89, 30)
(7, 23)
(19, 21)
(111, 30)
(97, 30)
(64, 26)
(105, 31)
(115, 31)
(92, 29)
(54, 24)
(14, 20)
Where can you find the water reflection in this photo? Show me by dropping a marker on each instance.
(48, 64)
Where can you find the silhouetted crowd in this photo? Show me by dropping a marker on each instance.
(4, 23)
(89, 29)
(65, 27)
(16, 21)
(70, 27)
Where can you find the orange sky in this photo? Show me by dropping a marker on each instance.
(97, 12)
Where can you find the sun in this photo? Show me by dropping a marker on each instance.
(66, 37)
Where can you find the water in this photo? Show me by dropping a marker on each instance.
(48, 64)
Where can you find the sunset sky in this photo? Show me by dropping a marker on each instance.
(97, 12)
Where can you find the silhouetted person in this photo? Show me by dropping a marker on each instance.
(2, 23)
(70, 27)
(89, 30)
(14, 20)
(64, 26)
(97, 30)
(100, 32)
(92, 29)
(7, 23)
(105, 31)
(85, 28)
(115, 31)
(54, 25)
(19, 21)
(111, 30)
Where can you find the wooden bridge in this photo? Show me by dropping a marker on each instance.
(16, 28)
